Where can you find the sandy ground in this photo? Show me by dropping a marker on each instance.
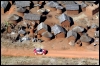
(51, 53)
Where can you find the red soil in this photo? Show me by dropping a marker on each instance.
(51, 53)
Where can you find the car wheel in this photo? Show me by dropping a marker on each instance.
(43, 53)
(35, 53)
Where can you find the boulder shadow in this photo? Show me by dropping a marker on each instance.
(96, 2)
(65, 31)
(92, 40)
(13, 2)
(45, 13)
(49, 28)
(17, 38)
(97, 29)
(20, 19)
(71, 21)
(43, 18)
(36, 25)
(78, 37)
(63, 10)
(27, 11)
(3, 30)
(80, 9)
(52, 37)
(31, 5)
(42, 6)
(8, 7)
(84, 31)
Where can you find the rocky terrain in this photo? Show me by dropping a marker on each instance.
(26, 25)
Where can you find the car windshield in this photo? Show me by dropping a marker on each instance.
(39, 50)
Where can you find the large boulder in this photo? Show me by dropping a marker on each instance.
(13, 17)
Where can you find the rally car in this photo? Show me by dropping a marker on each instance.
(39, 51)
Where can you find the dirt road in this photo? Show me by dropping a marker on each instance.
(74, 54)
(51, 53)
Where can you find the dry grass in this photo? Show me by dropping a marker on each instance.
(22, 45)
(46, 61)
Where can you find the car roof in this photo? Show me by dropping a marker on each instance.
(38, 49)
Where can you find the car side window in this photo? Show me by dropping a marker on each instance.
(40, 50)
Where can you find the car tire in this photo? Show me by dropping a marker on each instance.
(43, 53)
(35, 53)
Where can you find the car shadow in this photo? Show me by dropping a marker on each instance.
(46, 52)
